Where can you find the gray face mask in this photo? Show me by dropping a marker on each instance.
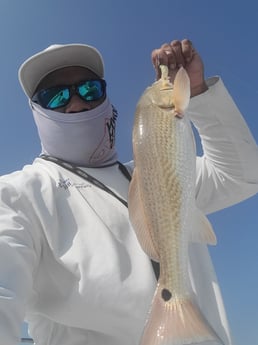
(86, 138)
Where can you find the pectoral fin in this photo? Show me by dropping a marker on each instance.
(182, 91)
(139, 220)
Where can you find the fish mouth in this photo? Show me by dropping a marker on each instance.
(176, 113)
(162, 106)
(166, 87)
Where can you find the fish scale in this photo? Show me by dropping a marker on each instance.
(163, 212)
(166, 176)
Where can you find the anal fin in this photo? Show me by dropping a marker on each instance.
(202, 231)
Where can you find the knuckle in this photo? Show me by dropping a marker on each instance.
(175, 43)
(186, 41)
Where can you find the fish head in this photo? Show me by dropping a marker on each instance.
(161, 94)
(174, 96)
(168, 96)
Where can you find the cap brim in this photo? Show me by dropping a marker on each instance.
(34, 69)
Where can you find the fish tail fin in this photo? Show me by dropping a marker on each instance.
(177, 321)
(181, 92)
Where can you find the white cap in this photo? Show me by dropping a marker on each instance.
(34, 69)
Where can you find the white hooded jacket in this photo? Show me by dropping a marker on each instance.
(70, 262)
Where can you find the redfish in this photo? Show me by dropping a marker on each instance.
(163, 210)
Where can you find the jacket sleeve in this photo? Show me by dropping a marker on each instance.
(227, 173)
(18, 260)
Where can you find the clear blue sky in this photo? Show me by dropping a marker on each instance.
(224, 32)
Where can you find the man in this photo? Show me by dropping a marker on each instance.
(70, 262)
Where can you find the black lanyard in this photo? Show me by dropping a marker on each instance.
(73, 168)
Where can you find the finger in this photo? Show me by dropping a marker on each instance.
(178, 54)
(187, 50)
(171, 59)
(159, 57)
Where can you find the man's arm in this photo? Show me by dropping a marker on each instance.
(17, 262)
(228, 171)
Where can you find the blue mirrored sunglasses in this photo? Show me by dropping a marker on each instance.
(60, 96)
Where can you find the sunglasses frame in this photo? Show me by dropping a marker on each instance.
(73, 90)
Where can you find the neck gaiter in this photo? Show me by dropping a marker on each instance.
(86, 138)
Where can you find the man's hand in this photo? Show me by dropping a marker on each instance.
(177, 54)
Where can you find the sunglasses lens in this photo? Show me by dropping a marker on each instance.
(91, 90)
(54, 97)
(57, 97)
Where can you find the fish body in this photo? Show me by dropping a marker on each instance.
(163, 212)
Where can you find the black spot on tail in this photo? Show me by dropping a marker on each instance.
(166, 294)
